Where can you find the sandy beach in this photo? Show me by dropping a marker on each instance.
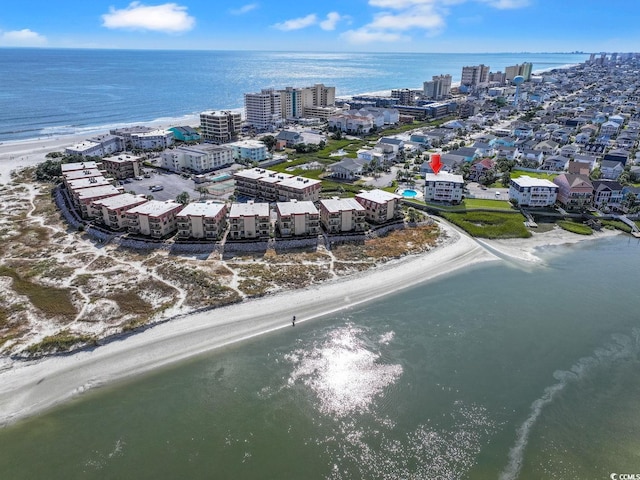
(27, 388)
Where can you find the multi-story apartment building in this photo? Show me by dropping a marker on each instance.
(202, 220)
(144, 138)
(380, 206)
(307, 101)
(122, 166)
(154, 218)
(97, 146)
(263, 111)
(523, 70)
(342, 215)
(249, 220)
(251, 150)
(273, 186)
(443, 187)
(197, 158)
(297, 219)
(438, 88)
(90, 182)
(533, 192)
(112, 211)
(220, 126)
(83, 198)
(473, 76)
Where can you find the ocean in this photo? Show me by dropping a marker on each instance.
(502, 371)
(52, 92)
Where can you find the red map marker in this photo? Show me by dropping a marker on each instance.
(436, 163)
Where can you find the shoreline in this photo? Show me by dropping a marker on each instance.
(33, 386)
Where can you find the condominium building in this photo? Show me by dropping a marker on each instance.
(154, 218)
(220, 126)
(307, 101)
(473, 76)
(197, 158)
(144, 138)
(438, 88)
(443, 187)
(202, 220)
(297, 219)
(533, 192)
(251, 150)
(263, 111)
(98, 146)
(523, 70)
(83, 198)
(73, 175)
(122, 166)
(380, 206)
(249, 220)
(340, 215)
(90, 182)
(112, 211)
(273, 186)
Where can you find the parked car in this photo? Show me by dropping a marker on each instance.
(157, 188)
(138, 178)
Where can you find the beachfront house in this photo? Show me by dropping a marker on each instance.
(249, 221)
(297, 219)
(202, 220)
(526, 191)
(342, 215)
(607, 194)
(185, 134)
(443, 187)
(575, 191)
(380, 206)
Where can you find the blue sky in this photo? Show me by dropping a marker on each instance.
(335, 26)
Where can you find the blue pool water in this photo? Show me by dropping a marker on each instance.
(409, 193)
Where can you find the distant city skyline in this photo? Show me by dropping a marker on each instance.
(433, 26)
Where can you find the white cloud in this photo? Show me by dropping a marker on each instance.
(507, 4)
(244, 9)
(364, 35)
(168, 17)
(331, 21)
(297, 23)
(422, 17)
(22, 38)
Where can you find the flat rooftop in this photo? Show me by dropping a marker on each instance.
(527, 181)
(120, 201)
(123, 158)
(444, 177)
(336, 205)
(252, 173)
(88, 173)
(378, 196)
(296, 208)
(95, 192)
(202, 209)
(155, 208)
(70, 167)
(249, 210)
(80, 183)
(299, 182)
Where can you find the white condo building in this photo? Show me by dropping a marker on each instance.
(263, 110)
(197, 158)
(475, 75)
(533, 192)
(252, 150)
(443, 187)
(438, 88)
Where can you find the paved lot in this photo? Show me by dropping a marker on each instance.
(476, 191)
(173, 183)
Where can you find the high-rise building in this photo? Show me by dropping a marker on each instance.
(438, 88)
(263, 110)
(405, 96)
(475, 75)
(299, 102)
(524, 70)
(220, 126)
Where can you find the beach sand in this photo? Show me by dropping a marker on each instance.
(29, 387)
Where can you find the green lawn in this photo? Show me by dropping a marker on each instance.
(487, 203)
(521, 173)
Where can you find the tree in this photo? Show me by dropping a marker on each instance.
(203, 191)
(183, 198)
(270, 141)
(506, 179)
(337, 135)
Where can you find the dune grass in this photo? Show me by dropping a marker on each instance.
(490, 224)
(575, 227)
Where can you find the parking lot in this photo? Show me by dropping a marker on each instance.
(479, 191)
(173, 185)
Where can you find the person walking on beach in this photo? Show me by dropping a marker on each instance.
(293, 321)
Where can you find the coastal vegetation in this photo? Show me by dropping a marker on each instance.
(575, 227)
(492, 225)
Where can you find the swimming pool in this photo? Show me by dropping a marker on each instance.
(408, 193)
